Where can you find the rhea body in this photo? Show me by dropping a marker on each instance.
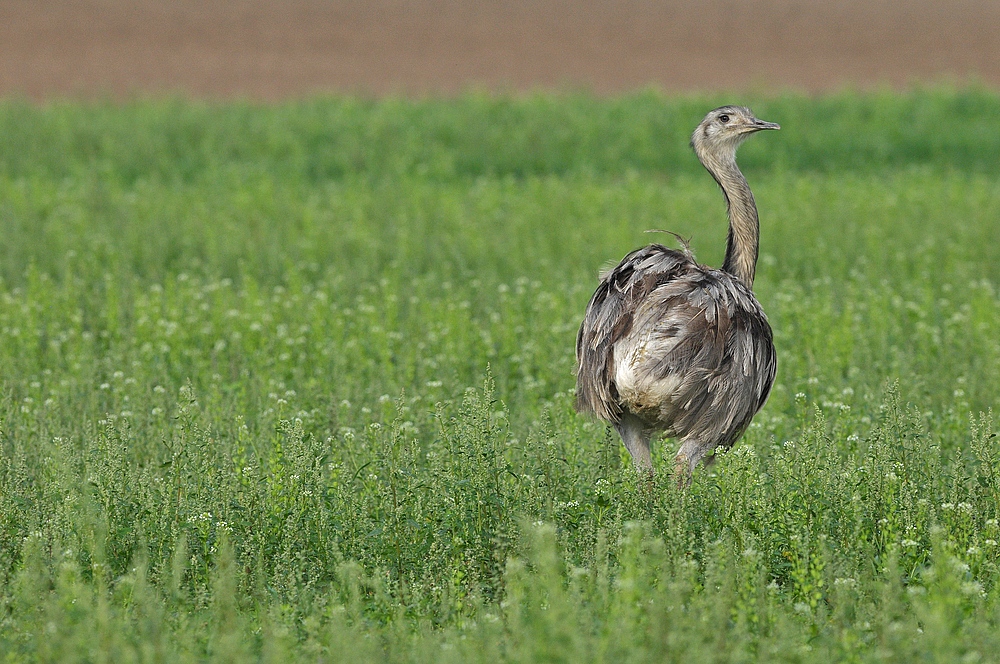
(671, 346)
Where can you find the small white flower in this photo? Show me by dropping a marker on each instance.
(973, 588)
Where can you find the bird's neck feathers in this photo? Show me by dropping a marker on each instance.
(744, 228)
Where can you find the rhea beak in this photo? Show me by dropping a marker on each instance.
(760, 124)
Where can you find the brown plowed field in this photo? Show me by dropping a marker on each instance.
(270, 49)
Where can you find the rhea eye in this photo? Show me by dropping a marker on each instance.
(723, 118)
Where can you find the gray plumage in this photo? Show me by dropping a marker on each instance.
(669, 345)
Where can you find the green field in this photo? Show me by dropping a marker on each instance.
(295, 382)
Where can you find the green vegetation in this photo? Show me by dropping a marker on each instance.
(295, 382)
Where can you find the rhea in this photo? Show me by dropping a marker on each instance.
(670, 346)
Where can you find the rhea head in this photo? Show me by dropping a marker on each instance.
(722, 131)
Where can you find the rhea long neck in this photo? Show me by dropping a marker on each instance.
(744, 228)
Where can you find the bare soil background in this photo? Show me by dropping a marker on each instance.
(273, 49)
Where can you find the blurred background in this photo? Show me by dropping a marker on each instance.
(273, 49)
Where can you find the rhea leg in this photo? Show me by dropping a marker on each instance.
(636, 437)
(691, 452)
